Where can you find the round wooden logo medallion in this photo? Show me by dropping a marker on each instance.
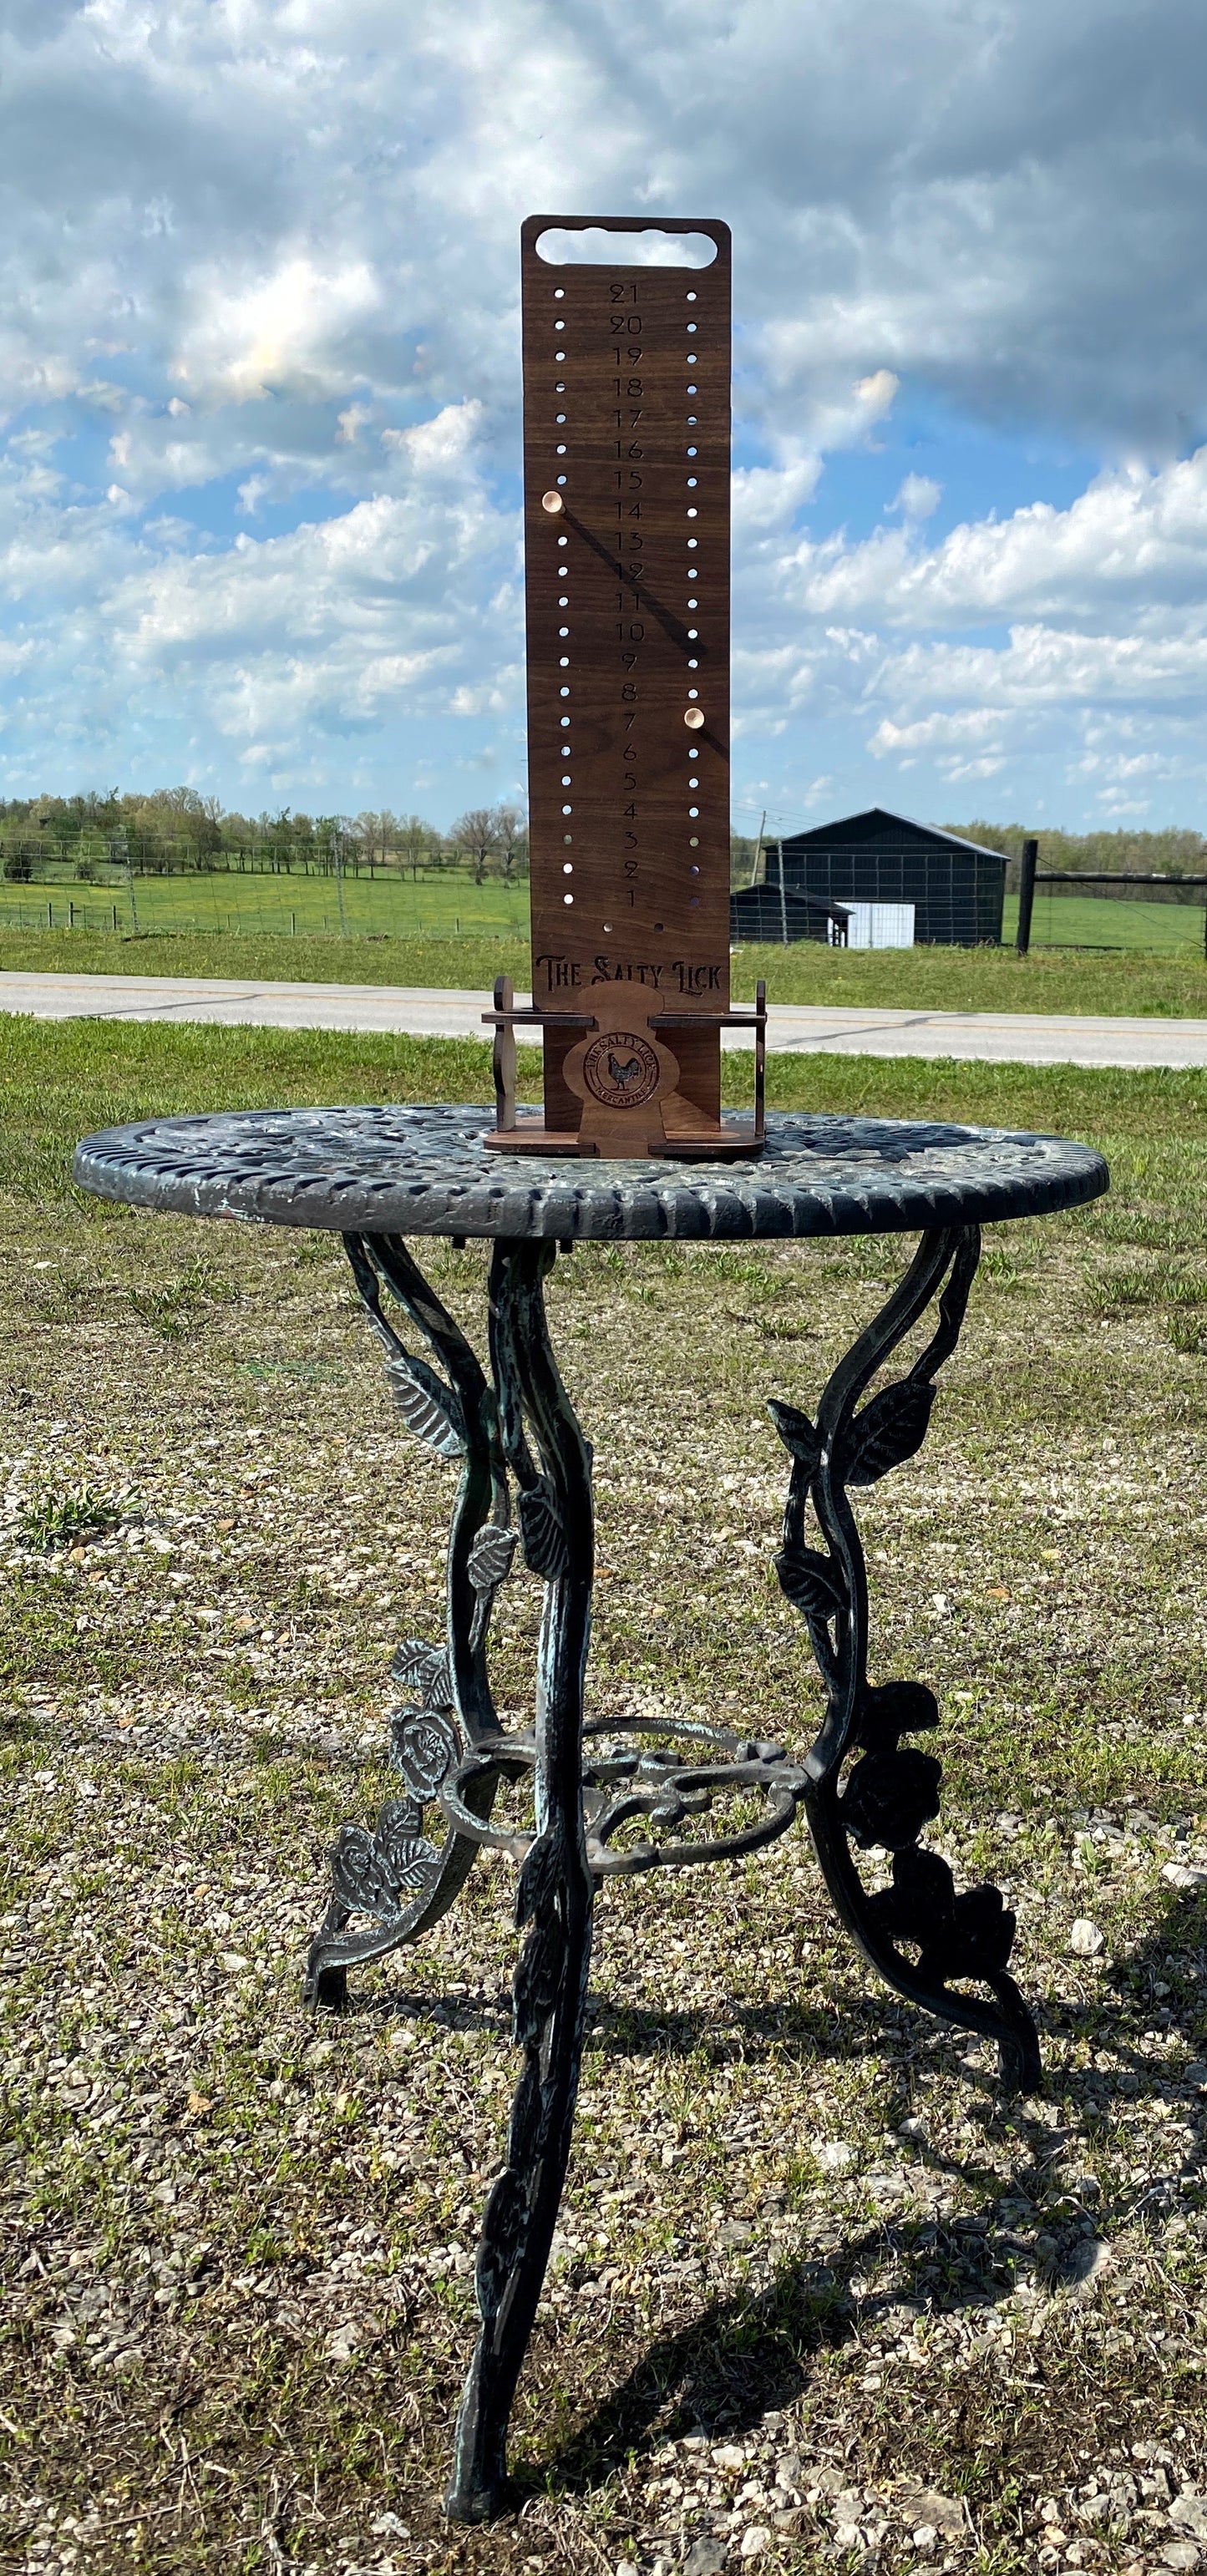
(621, 1070)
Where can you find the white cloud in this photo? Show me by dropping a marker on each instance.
(297, 330)
(268, 248)
(918, 497)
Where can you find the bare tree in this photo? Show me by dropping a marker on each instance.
(415, 840)
(477, 832)
(511, 835)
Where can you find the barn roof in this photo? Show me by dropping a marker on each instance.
(847, 824)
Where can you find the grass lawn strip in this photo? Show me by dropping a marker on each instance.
(818, 2298)
(1170, 985)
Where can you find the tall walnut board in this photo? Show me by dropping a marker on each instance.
(626, 418)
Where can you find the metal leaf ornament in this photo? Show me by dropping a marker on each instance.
(539, 1879)
(490, 1557)
(889, 1710)
(408, 1856)
(890, 1429)
(428, 1407)
(537, 1982)
(798, 1433)
(423, 1670)
(527, 2116)
(984, 1932)
(889, 1797)
(504, 2229)
(921, 1903)
(810, 1582)
(545, 1551)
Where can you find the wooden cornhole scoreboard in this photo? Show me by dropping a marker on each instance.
(626, 515)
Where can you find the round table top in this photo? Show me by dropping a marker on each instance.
(429, 1171)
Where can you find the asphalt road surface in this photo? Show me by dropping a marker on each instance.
(987, 1037)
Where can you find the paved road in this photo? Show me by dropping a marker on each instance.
(989, 1037)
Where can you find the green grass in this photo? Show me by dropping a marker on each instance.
(66, 1078)
(801, 2224)
(1099, 921)
(1136, 984)
(437, 906)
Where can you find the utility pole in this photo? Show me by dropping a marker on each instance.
(758, 850)
(1026, 896)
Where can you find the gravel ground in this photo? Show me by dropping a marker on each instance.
(820, 2298)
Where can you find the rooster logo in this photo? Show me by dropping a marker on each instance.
(621, 1069)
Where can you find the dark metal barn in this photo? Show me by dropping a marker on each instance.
(878, 866)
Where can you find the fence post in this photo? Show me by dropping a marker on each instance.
(1026, 896)
(783, 899)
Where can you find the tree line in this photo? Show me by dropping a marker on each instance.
(1125, 852)
(176, 829)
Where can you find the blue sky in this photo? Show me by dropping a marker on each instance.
(259, 386)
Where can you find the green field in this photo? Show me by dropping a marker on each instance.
(814, 2273)
(1098, 921)
(943, 979)
(437, 905)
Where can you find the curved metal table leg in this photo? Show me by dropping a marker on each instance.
(554, 1896)
(891, 1791)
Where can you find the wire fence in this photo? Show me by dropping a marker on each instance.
(1109, 910)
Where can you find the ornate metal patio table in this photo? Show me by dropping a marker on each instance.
(379, 1175)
